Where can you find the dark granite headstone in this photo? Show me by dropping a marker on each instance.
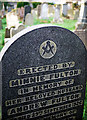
(27, 9)
(43, 73)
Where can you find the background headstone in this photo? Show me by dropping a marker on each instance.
(27, 9)
(38, 10)
(57, 15)
(76, 14)
(43, 75)
(12, 20)
(34, 13)
(64, 9)
(21, 12)
(81, 26)
(51, 10)
(16, 30)
(44, 11)
(7, 32)
(29, 19)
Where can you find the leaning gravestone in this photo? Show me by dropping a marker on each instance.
(27, 9)
(43, 75)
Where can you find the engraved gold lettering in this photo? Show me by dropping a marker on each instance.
(27, 81)
(45, 103)
(43, 95)
(45, 112)
(45, 86)
(45, 68)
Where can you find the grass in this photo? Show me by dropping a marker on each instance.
(68, 24)
(2, 33)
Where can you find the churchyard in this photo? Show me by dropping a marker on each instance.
(19, 22)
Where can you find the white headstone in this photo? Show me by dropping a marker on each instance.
(14, 31)
(29, 19)
(12, 20)
(44, 11)
(57, 15)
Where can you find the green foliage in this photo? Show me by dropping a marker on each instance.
(75, 5)
(22, 4)
(35, 4)
(50, 3)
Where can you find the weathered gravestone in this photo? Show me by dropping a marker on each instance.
(14, 31)
(38, 10)
(44, 11)
(57, 15)
(64, 9)
(29, 19)
(27, 9)
(43, 75)
(81, 26)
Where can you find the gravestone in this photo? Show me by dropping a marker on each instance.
(12, 20)
(34, 13)
(22, 12)
(0, 24)
(76, 14)
(18, 10)
(81, 25)
(57, 18)
(27, 9)
(7, 32)
(38, 10)
(16, 30)
(43, 75)
(29, 19)
(64, 9)
(44, 11)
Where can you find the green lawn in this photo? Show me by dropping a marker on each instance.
(69, 24)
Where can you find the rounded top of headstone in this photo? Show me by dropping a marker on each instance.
(52, 32)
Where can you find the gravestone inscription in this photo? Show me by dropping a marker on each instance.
(43, 75)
